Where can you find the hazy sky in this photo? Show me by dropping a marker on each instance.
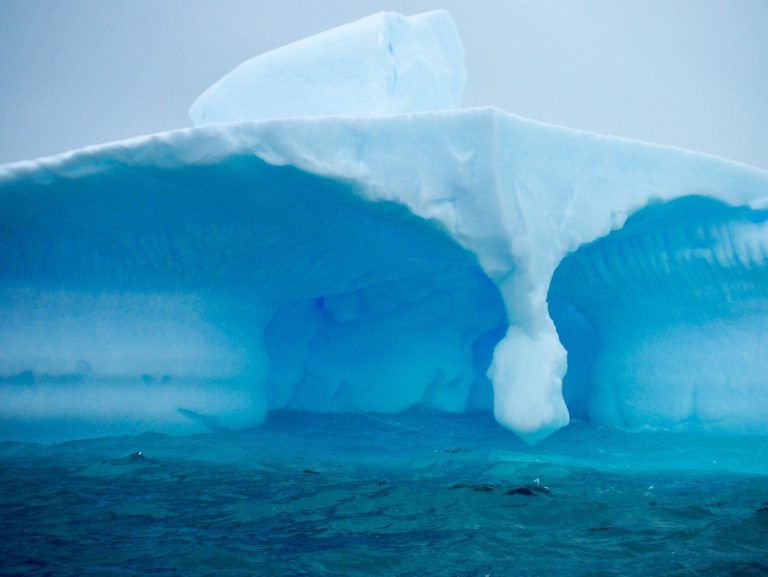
(690, 73)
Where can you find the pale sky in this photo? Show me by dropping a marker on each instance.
(688, 73)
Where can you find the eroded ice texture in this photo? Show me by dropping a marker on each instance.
(666, 320)
(386, 63)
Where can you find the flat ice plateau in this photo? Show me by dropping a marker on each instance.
(338, 235)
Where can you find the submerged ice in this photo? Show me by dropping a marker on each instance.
(377, 256)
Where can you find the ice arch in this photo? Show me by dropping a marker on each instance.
(515, 195)
(368, 255)
(164, 296)
(666, 319)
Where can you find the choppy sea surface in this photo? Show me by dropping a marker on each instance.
(415, 494)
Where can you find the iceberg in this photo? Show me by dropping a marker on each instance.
(334, 260)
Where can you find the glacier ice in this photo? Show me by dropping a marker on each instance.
(199, 278)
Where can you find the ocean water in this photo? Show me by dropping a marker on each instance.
(415, 494)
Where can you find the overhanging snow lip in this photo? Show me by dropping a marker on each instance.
(233, 138)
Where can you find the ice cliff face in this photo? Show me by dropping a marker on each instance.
(204, 276)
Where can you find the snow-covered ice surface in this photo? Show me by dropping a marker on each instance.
(199, 278)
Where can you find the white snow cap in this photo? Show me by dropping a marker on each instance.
(383, 64)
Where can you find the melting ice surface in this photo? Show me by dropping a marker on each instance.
(353, 241)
